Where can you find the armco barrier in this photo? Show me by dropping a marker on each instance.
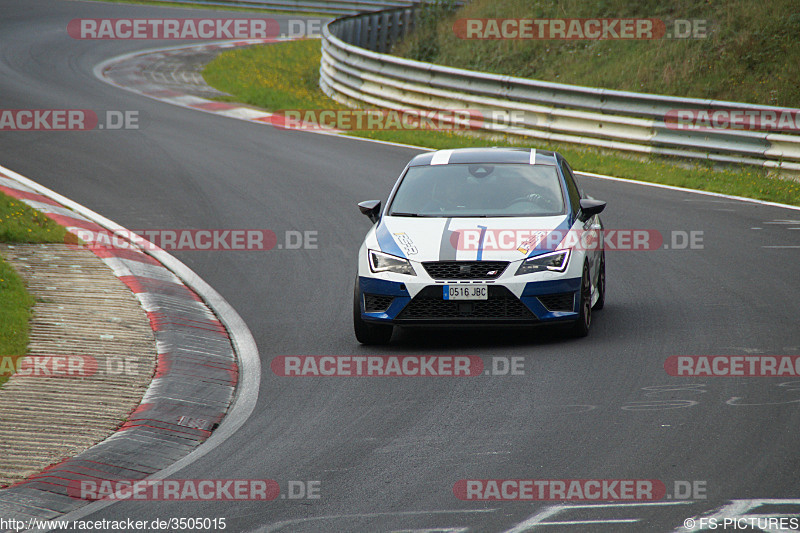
(329, 7)
(357, 71)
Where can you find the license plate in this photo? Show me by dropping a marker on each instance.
(466, 292)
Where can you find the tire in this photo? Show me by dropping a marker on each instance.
(367, 333)
(601, 284)
(581, 326)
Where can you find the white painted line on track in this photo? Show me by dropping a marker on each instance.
(244, 113)
(542, 517)
(186, 100)
(270, 528)
(584, 522)
(684, 189)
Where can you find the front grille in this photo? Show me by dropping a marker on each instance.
(558, 302)
(501, 304)
(465, 269)
(377, 303)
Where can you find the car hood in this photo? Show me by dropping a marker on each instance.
(470, 239)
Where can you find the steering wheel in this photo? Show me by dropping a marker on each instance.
(533, 198)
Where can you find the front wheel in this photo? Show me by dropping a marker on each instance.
(581, 326)
(367, 333)
(601, 284)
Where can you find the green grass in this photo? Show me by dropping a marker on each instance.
(19, 224)
(285, 76)
(751, 54)
(15, 312)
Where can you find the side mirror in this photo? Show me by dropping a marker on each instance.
(372, 209)
(590, 208)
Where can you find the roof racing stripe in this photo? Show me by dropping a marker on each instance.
(442, 157)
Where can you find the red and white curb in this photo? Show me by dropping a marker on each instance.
(204, 351)
(125, 72)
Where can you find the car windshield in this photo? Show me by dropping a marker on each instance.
(479, 190)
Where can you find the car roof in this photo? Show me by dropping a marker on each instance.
(486, 155)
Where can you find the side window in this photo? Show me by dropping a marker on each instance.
(572, 188)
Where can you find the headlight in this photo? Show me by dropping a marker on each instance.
(554, 261)
(381, 262)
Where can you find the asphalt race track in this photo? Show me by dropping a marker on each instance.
(388, 451)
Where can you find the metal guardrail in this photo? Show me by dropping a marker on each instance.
(328, 7)
(356, 70)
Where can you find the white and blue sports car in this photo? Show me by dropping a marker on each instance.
(481, 236)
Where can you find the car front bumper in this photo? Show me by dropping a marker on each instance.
(508, 303)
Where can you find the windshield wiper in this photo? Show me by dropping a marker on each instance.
(395, 214)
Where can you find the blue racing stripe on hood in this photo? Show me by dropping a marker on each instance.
(480, 242)
(546, 245)
(386, 241)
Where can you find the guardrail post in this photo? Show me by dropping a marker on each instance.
(372, 31)
(394, 29)
(408, 20)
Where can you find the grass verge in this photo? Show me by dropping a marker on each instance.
(19, 224)
(746, 52)
(285, 76)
